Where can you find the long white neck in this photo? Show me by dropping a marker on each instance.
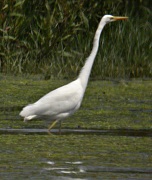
(86, 70)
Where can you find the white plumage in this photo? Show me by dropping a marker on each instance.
(57, 104)
(64, 101)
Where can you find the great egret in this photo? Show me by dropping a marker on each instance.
(64, 101)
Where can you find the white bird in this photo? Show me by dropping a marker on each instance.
(64, 101)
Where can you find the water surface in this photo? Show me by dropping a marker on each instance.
(108, 138)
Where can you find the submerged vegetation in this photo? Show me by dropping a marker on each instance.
(106, 104)
(55, 38)
(77, 157)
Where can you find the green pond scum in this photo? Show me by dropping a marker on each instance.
(111, 104)
(107, 104)
(44, 156)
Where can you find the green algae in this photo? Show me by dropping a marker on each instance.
(119, 150)
(106, 104)
(21, 153)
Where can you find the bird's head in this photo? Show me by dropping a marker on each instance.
(110, 18)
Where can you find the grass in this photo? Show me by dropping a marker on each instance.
(55, 38)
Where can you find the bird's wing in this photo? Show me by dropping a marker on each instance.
(61, 100)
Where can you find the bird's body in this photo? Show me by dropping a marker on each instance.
(57, 104)
(64, 101)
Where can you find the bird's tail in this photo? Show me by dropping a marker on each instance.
(28, 112)
(29, 118)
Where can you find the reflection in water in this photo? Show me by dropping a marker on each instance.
(90, 170)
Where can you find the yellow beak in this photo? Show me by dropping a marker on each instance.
(117, 18)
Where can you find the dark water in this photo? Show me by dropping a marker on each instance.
(112, 132)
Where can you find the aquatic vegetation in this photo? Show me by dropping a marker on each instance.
(106, 105)
(100, 156)
(113, 105)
